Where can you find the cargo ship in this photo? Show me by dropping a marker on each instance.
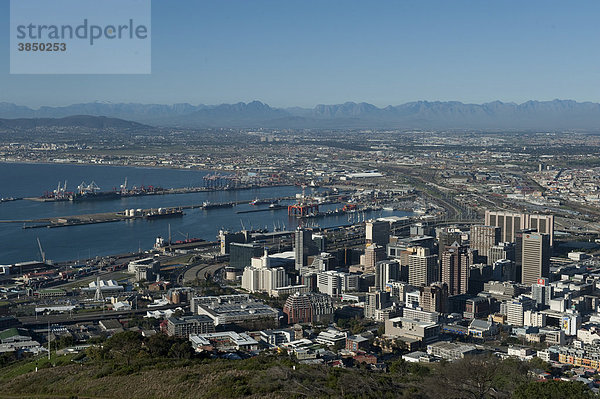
(210, 205)
(91, 192)
(164, 213)
(96, 196)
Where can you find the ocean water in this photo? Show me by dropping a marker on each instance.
(81, 242)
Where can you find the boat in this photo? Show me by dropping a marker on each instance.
(91, 192)
(209, 205)
(164, 213)
(96, 196)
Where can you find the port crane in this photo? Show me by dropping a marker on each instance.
(42, 253)
(84, 188)
(124, 186)
(61, 191)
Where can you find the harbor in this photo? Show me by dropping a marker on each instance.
(100, 231)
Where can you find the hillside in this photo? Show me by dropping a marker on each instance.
(555, 114)
(80, 121)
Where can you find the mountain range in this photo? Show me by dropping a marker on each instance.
(556, 114)
(85, 121)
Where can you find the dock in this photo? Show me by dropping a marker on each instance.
(128, 214)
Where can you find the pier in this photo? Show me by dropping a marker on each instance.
(130, 214)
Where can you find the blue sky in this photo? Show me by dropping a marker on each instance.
(305, 52)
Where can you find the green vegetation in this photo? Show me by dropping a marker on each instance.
(554, 390)
(129, 365)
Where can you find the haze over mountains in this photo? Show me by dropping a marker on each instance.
(556, 114)
(85, 121)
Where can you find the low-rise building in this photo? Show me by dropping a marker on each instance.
(223, 341)
(331, 337)
(401, 327)
(355, 343)
(450, 350)
(482, 328)
(182, 327)
(237, 309)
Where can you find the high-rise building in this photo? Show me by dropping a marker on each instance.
(373, 254)
(511, 222)
(377, 232)
(240, 255)
(303, 247)
(422, 267)
(376, 301)
(385, 271)
(320, 242)
(434, 298)
(503, 250)
(455, 261)
(226, 238)
(535, 257)
(541, 292)
(335, 283)
(447, 236)
(515, 310)
(483, 238)
(264, 279)
(519, 253)
(308, 308)
(506, 269)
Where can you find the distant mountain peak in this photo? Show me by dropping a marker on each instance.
(533, 114)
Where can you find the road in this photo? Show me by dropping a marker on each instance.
(200, 271)
(30, 321)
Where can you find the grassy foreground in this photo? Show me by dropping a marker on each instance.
(265, 376)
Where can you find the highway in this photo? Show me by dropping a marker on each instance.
(42, 320)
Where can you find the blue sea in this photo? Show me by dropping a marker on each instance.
(82, 242)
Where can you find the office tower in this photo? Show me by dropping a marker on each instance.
(420, 229)
(373, 254)
(541, 292)
(226, 238)
(385, 271)
(506, 269)
(320, 241)
(422, 267)
(535, 258)
(504, 250)
(516, 308)
(335, 283)
(303, 247)
(240, 255)
(483, 238)
(377, 232)
(455, 261)
(434, 298)
(376, 301)
(511, 222)
(543, 224)
(264, 279)
(448, 236)
(519, 253)
(479, 274)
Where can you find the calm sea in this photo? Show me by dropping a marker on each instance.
(79, 242)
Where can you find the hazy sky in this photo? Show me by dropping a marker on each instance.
(305, 52)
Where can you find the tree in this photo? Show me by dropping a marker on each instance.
(471, 377)
(159, 345)
(554, 390)
(181, 349)
(538, 363)
(124, 346)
